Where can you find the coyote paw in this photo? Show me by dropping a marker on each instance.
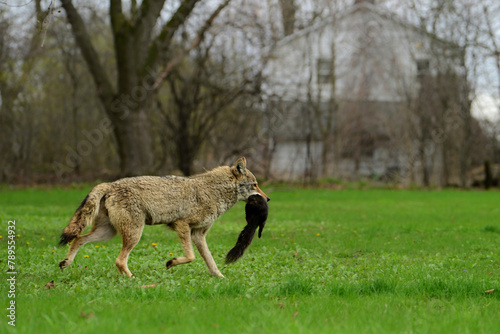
(170, 263)
(64, 263)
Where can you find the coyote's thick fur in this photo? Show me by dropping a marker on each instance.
(187, 205)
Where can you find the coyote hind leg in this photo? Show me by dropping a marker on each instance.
(131, 232)
(129, 242)
(101, 231)
(184, 231)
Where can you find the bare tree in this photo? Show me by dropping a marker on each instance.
(490, 12)
(15, 136)
(447, 78)
(323, 111)
(198, 100)
(204, 91)
(138, 53)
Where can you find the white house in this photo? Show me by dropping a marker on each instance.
(338, 94)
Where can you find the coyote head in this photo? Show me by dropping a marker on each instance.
(246, 181)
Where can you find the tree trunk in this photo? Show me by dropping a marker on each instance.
(185, 158)
(424, 165)
(324, 156)
(465, 153)
(184, 146)
(132, 132)
(488, 178)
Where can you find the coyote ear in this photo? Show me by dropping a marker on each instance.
(240, 166)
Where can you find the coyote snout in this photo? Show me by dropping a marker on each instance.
(187, 205)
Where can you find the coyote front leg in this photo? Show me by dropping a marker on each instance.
(184, 231)
(201, 244)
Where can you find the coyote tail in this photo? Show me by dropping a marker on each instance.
(85, 214)
(256, 211)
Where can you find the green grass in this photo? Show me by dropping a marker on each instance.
(345, 261)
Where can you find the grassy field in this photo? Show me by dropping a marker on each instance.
(344, 261)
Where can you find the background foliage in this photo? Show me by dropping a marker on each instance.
(56, 124)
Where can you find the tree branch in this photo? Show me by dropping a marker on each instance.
(144, 23)
(161, 43)
(197, 40)
(133, 8)
(116, 14)
(124, 48)
(82, 38)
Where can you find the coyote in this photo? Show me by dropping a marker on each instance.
(187, 205)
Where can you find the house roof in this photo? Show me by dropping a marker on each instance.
(357, 7)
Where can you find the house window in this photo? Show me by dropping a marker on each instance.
(423, 66)
(325, 70)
